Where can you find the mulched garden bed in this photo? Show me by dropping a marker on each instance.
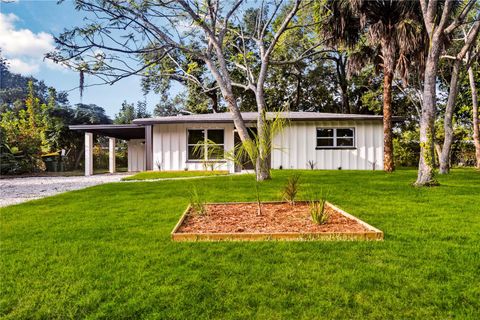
(279, 220)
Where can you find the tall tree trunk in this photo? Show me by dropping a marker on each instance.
(388, 52)
(262, 164)
(444, 158)
(476, 119)
(341, 63)
(426, 165)
(225, 84)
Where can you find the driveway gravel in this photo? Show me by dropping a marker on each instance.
(18, 190)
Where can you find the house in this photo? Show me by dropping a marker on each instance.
(328, 140)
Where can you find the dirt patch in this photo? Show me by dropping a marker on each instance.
(240, 220)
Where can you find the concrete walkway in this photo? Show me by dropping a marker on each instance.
(17, 190)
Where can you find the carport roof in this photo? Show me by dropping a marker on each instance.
(120, 131)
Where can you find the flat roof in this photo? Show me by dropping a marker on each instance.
(120, 131)
(252, 116)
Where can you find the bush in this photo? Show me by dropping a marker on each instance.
(290, 190)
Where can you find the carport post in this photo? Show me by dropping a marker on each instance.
(88, 153)
(111, 154)
(148, 148)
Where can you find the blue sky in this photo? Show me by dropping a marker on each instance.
(26, 30)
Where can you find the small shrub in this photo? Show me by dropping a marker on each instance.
(290, 190)
(311, 164)
(317, 211)
(197, 203)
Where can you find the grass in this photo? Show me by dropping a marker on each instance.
(105, 252)
(152, 175)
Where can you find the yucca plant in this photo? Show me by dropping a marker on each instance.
(317, 211)
(290, 190)
(317, 208)
(311, 164)
(197, 203)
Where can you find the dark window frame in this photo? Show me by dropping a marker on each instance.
(205, 146)
(335, 138)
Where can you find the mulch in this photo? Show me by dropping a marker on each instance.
(275, 218)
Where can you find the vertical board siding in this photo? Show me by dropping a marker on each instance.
(296, 145)
(292, 148)
(136, 155)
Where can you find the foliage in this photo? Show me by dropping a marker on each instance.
(128, 112)
(290, 189)
(311, 164)
(35, 121)
(317, 206)
(251, 149)
(318, 214)
(168, 107)
(25, 133)
(197, 202)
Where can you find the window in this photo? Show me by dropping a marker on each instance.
(330, 138)
(205, 144)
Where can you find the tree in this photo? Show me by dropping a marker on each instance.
(126, 114)
(475, 111)
(24, 134)
(440, 20)
(470, 39)
(168, 107)
(387, 30)
(202, 30)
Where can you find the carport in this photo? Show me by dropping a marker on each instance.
(135, 134)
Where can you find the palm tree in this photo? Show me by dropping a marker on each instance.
(388, 31)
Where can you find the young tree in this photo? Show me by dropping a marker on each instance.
(440, 19)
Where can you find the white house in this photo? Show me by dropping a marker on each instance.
(327, 140)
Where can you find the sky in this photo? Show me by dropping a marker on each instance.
(27, 28)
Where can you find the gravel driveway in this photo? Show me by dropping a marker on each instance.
(18, 190)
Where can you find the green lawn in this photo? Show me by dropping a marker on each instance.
(151, 175)
(105, 252)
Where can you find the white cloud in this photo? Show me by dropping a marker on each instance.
(23, 49)
(23, 67)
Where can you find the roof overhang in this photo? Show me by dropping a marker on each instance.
(250, 117)
(120, 131)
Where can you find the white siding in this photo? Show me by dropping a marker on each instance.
(170, 146)
(136, 155)
(297, 145)
(292, 149)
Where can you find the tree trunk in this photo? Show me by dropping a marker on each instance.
(388, 52)
(341, 63)
(214, 97)
(262, 164)
(444, 158)
(426, 165)
(80, 155)
(299, 91)
(476, 119)
(438, 150)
